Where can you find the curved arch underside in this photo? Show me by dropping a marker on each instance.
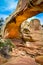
(25, 9)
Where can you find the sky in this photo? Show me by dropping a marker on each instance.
(8, 6)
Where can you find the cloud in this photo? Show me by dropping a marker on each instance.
(8, 5)
(3, 16)
(11, 5)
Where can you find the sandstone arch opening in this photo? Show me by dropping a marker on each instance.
(22, 12)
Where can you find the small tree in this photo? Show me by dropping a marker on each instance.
(1, 23)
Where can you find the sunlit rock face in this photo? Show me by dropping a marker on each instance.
(25, 9)
(32, 34)
(32, 31)
(36, 30)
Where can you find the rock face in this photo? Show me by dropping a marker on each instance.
(21, 61)
(22, 12)
(32, 30)
(33, 36)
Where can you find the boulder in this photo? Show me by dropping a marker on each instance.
(39, 59)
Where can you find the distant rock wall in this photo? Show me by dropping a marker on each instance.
(32, 30)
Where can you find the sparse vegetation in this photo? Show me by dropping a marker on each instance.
(5, 47)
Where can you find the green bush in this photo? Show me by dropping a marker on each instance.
(6, 46)
(5, 43)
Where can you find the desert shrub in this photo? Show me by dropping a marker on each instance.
(6, 46)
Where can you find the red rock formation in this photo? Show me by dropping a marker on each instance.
(21, 61)
(25, 9)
